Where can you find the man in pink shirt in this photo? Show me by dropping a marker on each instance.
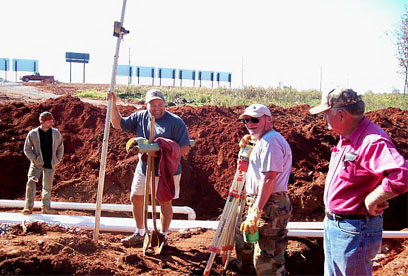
(365, 171)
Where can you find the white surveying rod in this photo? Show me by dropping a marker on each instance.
(102, 168)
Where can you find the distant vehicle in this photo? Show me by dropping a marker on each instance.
(37, 77)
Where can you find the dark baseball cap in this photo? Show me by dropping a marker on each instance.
(46, 116)
(153, 94)
(338, 97)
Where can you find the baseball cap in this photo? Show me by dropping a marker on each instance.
(46, 116)
(256, 111)
(154, 94)
(338, 97)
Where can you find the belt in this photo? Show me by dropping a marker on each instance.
(342, 217)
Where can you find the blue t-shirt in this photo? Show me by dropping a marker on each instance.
(169, 126)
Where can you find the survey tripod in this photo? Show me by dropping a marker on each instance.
(224, 237)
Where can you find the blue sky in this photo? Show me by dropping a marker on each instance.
(288, 42)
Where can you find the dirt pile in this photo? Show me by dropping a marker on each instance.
(207, 171)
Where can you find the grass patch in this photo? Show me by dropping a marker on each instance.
(90, 93)
(286, 97)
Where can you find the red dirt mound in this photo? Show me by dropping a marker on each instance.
(208, 169)
(207, 174)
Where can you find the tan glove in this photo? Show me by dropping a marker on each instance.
(245, 140)
(250, 225)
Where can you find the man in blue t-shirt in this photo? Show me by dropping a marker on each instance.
(167, 125)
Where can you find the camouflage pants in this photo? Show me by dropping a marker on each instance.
(268, 254)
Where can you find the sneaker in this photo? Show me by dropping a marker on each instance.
(49, 211)
(135, 239)
(165, 241)
(27, 211)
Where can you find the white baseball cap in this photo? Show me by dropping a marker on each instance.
(256, 111)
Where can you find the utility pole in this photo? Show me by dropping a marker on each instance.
(321, 74)
(242, 73)
(130, 71)
(406, 79)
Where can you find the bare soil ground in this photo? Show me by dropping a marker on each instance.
(38, 248)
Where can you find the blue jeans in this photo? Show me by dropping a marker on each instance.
(351, 244)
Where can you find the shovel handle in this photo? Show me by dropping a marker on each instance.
(146, 194)
(157, 238)
(153, 196)
(146, 190)
(151, 173)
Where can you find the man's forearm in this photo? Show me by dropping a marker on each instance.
(28, 150)
(116, 117)
(265, 190)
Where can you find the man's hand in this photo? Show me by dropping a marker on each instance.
(250, 224)
(245, 140)
(111, 95)
(376, 201)
(375, 209)
(154, 153)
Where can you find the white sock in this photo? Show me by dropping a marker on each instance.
(165, 234)
(140, 231)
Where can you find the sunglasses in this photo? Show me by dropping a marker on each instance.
(253, 120)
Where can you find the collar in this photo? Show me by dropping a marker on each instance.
(266, 132)
(44, 130)
(357, 132)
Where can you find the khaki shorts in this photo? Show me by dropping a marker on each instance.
(139, 180)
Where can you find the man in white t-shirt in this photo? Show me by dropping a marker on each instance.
(269, 206)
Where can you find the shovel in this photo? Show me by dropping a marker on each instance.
(150, 161)
(157, 239)
(147, 238)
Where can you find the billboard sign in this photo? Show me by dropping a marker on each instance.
(26, 65)
(77, 57)
(4, 64)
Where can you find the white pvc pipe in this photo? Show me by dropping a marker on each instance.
(111, 224)
(305, 225)
(108, 224)
(5, 203)
(319, 234)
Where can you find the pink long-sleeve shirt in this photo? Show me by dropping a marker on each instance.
(359, 164)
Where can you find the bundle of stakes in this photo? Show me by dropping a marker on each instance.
(224, 237)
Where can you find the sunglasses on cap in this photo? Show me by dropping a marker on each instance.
(252, 119)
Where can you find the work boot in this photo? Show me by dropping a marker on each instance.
(50, 211)
(132, 240)
(27, 211)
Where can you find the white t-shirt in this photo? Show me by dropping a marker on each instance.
(271, 153)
